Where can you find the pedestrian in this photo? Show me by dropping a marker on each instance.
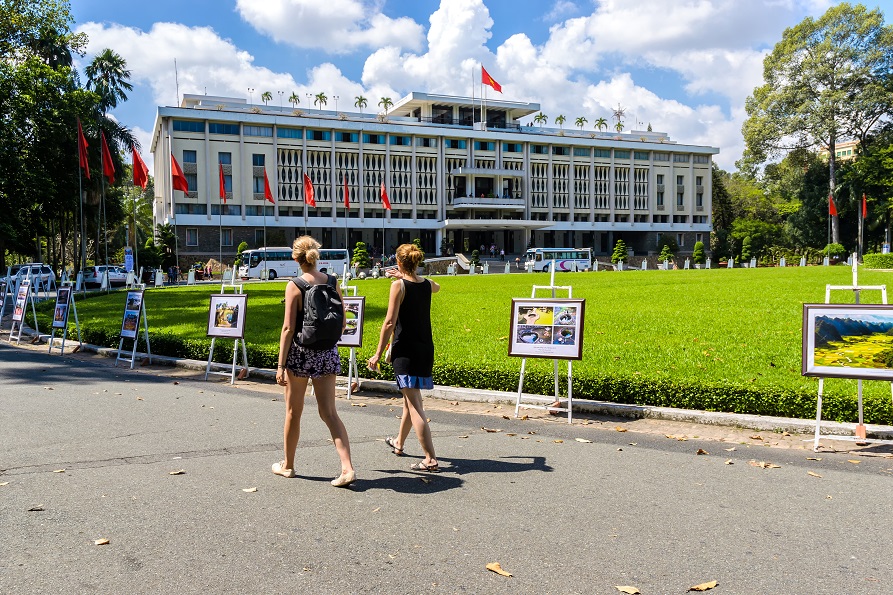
(299, 364)
(502, 254)
(412, 350)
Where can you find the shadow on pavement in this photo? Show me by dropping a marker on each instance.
(500, 465)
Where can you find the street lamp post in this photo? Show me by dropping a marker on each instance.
(336, 98)
(250, 96)
(281, 93)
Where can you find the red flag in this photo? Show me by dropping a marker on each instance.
(864, 207)
(268, 194)
(178, 179)
(140, 171)
(108, 168)
(486, 79)
(308, 192)
(222, 184)
(384, 197)
(346, 194)
(832, 208)
(82, 150)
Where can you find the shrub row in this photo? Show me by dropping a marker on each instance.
(878, 261)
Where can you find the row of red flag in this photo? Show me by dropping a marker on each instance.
(140, 171)
(832, 207)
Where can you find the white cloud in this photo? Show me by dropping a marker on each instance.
(335, 26)
(560, 9)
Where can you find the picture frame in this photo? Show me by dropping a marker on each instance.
(226, 315)
(355, 314)
(63, 305)
(848, 341)
(18, 312)
(133, 308)
(547, 327)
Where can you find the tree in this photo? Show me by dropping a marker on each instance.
(560, 120)
(826, 80)
(294, 100)
(665, 254)
(580, 122)
(541, 119)
(361, 256)
(697, 255)
(601, 124)
(418, 244)
(320, 100)
(385, 103)
(723, 214)
(619, 126)
(745, 249)
(360, 102)
(266, 96)
(238, 259)
(108, 76)
(619, 254)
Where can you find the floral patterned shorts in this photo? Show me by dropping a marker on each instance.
(313, 363)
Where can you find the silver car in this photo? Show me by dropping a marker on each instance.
(37, 270)
(93, 275)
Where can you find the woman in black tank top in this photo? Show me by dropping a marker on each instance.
(412, 350)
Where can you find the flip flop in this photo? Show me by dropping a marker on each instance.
(392, 442)
(422, 466)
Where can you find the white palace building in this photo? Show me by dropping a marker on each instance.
(454, 182)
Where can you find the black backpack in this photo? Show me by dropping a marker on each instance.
(323, 319)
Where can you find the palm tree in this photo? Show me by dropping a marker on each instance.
(107, 74)
(541, 119)
(320, 99)
(560, 120)
(294, 100)
(601, 124)
(266, 96)
(619, 126)
(580, 122)
(385, 104)
(360, 102)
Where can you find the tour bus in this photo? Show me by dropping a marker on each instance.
(279, 263)
(566, 259)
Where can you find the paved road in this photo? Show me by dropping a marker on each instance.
(629, 508)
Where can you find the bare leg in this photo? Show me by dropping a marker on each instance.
(412, 398)
(324, 387)
(405, 426)
(294, 407)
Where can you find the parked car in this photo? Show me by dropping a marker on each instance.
(93, 275)
(37, 269)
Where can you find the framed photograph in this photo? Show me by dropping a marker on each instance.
(547, 327)
(354, 312)
(226, 315)
(18, 313)
(133, 307)
(63, 303)
(848, 341)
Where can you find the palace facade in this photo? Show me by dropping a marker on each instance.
(454, 181)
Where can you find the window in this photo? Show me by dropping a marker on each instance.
(424, 141)
(216, 209)
(226, 237)
(220, 128)
(699, 180)
(606, 153)
(660, 199)
(289, 132)
(192, 182)
(660, 219)
(661, 156)
(677, 158)
(699, 237)
(188, 156)
(680, 239)
(453, 143)
(346, 137)
(188, 126)
(699, 200)
(258, 184)
(192, 236)
(373, 139)
(402, 141)
(539, 149)
(482, 145)
(582, 152)
(699, 219)
(702, 159)
(511, 147)
(258, 211)
(660, 237)
(258, 160)
(680, 218)
(225, 158)
(559, 150)
(185, 208)
(660, 178)
(258, 130)
(641, 155)
(680, 180)
(258, 237)
(618, 154)
(319, 135)
(680, 199)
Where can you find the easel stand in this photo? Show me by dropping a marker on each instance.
(136, 337)
(29, 299)
(232, 371)
(860, 427)
(353, 373)
(538, 398)
(77, 325)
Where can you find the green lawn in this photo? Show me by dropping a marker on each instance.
(719, 339)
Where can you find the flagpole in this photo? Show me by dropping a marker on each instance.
(83, 251)
(472, 96)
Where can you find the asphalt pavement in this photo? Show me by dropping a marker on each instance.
(87, 453)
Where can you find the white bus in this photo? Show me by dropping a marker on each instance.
(566, 259)
(279, 263)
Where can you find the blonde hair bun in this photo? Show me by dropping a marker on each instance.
(409, 257)
(305, 250)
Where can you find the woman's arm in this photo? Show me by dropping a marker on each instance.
(435, 286)
(390, 321)
(289, 325)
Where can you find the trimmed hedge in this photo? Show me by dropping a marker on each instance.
(878, 261)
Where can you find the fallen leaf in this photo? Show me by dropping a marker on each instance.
(701, 451)
(454, 402)
(756, 437)
(102, 541)
(525, 417)
(505, 417)
(558, 441)
(704, 586)
(813, 458)
(377, 509)
(491, 430)
(510, 434)
(59, 471)
(495, 567)
(583, 440)
(730, 449)
(629, 590)
(619, 450)
(785, 433)
(358, 404)
(619, 429)
(828, 497)
(49, 388)
(177, 472)
(38, 508)
(249, 490)
(531, 432)
(633, 443)
(425, 480)
(465, 436)
(763, 465)
(5, 483)
(729, 462)
(853, 461)
(139, 398)
(175, 382)
(813, 474)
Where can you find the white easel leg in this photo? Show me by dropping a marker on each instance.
(232, 377)
(520, 386)
(818, 415)
(570, 393)
(210, 357)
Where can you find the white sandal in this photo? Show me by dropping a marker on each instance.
(279, 469)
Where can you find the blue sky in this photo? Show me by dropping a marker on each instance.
(683, 66)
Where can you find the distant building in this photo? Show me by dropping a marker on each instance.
(452, 180)
(844, 151)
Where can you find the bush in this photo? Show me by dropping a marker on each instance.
(878, 261)
(475, 257)
(745, 249)
(619, 254)
(238, 259)
(834, 251)
(698, 255)
(361, 256)
(665, 254)
(418, 244)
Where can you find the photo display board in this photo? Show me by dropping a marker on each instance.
(18, 314)
(133, 307)
(354, 314)
(547, 327)
(3, 290)
(226, 315)
(848, 341)
(63, 304)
